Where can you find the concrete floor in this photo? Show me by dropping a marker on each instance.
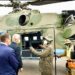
(31, 67)
(61, 69)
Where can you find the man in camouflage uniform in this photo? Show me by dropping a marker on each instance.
(46, 58)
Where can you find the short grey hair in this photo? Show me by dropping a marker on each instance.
(15, 36)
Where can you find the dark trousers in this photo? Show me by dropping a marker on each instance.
(17, 72)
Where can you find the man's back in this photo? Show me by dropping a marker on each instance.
(17, 53)
(8, 62)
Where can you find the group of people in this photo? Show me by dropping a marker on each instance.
(10, 58)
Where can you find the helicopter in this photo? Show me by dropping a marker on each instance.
(35, 25)
(25, 21)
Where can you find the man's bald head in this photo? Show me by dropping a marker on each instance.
(16, 38)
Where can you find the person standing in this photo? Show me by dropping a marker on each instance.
(46, 57)
(14, 45)
(8, 62)
(69, 48)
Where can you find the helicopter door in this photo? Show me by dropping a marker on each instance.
(28, 39)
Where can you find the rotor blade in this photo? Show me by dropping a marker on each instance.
(14, 1)
(11, 1)
(43, 2)
(5, 5)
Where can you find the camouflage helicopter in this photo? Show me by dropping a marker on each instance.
(25, 20)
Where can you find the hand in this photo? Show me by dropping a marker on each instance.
(69, 60)
(58, 56)
(31, 47)
(21, 69)
(40, 45)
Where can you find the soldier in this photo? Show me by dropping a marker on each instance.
(46, 57)
(69, 47)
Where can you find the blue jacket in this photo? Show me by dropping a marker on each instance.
(8, 62)
(17, 53)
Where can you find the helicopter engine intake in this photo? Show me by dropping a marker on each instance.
(23, 20)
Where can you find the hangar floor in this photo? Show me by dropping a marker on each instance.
(31, 67)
